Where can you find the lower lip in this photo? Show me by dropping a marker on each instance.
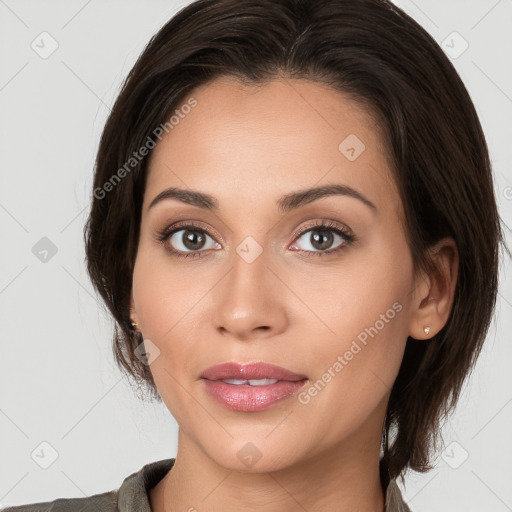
(248, 398)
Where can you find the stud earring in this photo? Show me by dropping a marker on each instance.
(134, 325)
(426, 329)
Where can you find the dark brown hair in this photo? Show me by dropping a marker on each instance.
(381, 57)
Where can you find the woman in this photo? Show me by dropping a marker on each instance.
(286, 226)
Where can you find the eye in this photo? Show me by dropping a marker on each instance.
(325, 237)
(191, 240)
(187, 240)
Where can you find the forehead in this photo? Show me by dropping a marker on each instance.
(269, 138)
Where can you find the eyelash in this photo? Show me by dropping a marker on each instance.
(349, 238)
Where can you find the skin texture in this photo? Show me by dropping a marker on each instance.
(247, 146)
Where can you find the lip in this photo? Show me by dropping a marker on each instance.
(250, 371)
(247, 398)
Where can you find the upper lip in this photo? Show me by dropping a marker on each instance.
(250, 371)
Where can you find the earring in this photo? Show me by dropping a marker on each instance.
(426, 329)
(134, 325)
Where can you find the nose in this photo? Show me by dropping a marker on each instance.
(250, 302)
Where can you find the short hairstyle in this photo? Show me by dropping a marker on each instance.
(383, 59)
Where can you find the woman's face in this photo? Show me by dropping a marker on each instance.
(257, 279)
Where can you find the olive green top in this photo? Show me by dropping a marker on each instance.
(133, 495)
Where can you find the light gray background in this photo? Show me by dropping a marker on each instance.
(58, 382)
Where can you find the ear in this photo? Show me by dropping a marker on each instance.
(433, 294)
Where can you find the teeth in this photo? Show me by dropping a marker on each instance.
(262, 382)
(255, 382)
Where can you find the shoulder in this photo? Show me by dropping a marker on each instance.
(106, 502)
(132, 495)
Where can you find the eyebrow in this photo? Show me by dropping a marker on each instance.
(285, 204)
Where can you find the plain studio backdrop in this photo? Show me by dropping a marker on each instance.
(70, 423)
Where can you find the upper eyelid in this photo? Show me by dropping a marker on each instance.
(180, 225)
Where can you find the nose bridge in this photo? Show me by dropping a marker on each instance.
(249, 267)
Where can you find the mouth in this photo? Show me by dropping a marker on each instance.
(251, 387)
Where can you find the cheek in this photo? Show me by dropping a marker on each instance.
(367, 348)
(354, 372)
(367, 314)
(170, 303)
(162, 297)
(166, 294)
(364, 297)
